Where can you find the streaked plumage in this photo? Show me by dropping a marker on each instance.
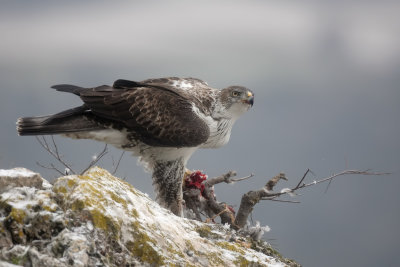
(162, 121)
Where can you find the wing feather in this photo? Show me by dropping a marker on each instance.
(157, 115)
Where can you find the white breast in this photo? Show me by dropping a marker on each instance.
(219, 135)
(220, 130)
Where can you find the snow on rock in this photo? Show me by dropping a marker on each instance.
(21, 177)
(96, 219)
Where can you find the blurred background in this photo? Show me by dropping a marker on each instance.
(326, 76)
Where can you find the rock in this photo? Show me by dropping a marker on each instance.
(40, 259)
(17, 254)
(7, 264)
(18, 177)
(73, 246)
(5, 237)
(96, 219)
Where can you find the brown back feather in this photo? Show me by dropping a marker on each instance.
(156, 115)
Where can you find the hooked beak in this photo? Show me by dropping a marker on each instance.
(250, 99)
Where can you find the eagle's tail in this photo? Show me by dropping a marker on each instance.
(68, 121)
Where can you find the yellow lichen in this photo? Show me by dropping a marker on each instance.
(21, 233)
(103, 222)
(241, 261)
(205, 232)
(189, 246)
(143, 246)
(215, 258)
(134, 213)
(77, 205)
(60, 189)
(149, 210)
(49, 208)
(88, 188)
(2, 229)
(230, 246)
(85, 177)
(175, 252)
(118, 199)
(71, 183)
(17, 215)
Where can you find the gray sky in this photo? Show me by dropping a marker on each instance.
(326, 78)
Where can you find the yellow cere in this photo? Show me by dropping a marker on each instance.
(249, 94)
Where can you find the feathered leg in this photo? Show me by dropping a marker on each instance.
(167, 179)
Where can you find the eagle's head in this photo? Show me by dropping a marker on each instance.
(236, 100)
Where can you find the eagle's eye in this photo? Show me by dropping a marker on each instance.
(235, 93)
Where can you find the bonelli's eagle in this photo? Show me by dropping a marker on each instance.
(162, 121)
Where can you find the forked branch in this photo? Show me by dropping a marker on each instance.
(53, 151)
(251, 198)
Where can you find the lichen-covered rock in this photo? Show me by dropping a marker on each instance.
(97, 219)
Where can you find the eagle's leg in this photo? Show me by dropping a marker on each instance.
(167, 179)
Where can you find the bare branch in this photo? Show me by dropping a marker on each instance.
(55, 153)
(96, 159)
(271, 183)
(302, 179)
(225, 210)
(251, 198)
(226, 178)
(55, 145)
(118, 162)
(281, 200)
(51, 167)
(345, 172)
(326, 179)
(241, 179)
(327, 187)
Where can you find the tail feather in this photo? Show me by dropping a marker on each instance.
(68, 121)
(68, 88)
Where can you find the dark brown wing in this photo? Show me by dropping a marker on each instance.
(157, 116)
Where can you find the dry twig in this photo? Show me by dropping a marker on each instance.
(51, 167)
(302, 185)
(251, 198)
(54, 152)
(96, 159)
(227, 178)
(118, 162)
